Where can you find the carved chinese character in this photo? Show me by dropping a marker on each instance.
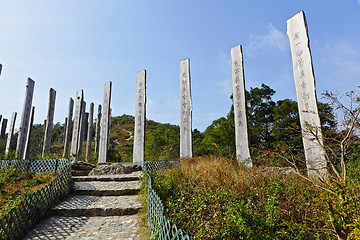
(236, 63)
(305, 96)
(307, 106)
(296, 35)
(300, 62)
(299, 52)
(302, 73)
(303, 84)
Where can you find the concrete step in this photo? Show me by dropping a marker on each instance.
(101, 188)
(87, 228)
(121, 177)
(80, 205)
(79, 173)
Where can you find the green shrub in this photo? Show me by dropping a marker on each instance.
(213, 198)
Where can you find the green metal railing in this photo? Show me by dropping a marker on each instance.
(22, 218)
(160, 227)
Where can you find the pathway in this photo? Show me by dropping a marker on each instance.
(101, 207)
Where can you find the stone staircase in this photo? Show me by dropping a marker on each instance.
(100, 207)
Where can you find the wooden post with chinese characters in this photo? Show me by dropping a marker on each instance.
(25, 119)
(3, 128)
(49, 123)
(185, 110)
(97, 130)
(81, 137)
(105, 124)
(76, 125)
(64, 133)
(140, 116)
(10, 134)
(90, 131)
(240, 117)
(68, 128)
(306, 96)
(28, 134)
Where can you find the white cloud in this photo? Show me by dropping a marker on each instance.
(344, 57)
(274, 38)
(339, 67)
(358, 2)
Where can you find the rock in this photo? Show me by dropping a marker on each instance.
(113, 168)
(107, 169)
(79, 165)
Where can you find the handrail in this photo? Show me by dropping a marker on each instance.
(159, 226)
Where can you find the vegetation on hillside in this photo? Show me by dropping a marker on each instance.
(16, 184)
(215, 198)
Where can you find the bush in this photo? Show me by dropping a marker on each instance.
(212, 198)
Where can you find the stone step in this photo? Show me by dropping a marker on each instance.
(79, 173)
(80, 205)
(101, 188)
(89, 228)
(120, 177)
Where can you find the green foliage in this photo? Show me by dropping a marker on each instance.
(162, 141)
(218, 139)
(260, 110)
(217, 199)
(16, 184)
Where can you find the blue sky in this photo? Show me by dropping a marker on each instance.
(71, 45)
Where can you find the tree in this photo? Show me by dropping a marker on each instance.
(260, 110)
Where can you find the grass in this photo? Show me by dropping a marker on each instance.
(16, 184)
(215, 198)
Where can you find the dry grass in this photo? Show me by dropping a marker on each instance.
(215, 198)
(16, 184)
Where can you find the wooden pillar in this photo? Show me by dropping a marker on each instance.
(25, 119)
(97, 130)
(105, 123)
(185, 110)
(10, 134)
(49, 123)
(68, 128)
(77, 120)
(90, 131)
(140, 117)
(306, 96)
(240, 117)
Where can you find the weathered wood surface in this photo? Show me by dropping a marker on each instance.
(105, 124)
(68, 128)
(25, 119)
(10, 134)
(76, 125)
(185, 110)
(3, 128)
(49, 123)
(81, 136)
(28, 134)
(97, 130)
(306, 96)
(240, 117)
(140, 116)
(90, 131)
